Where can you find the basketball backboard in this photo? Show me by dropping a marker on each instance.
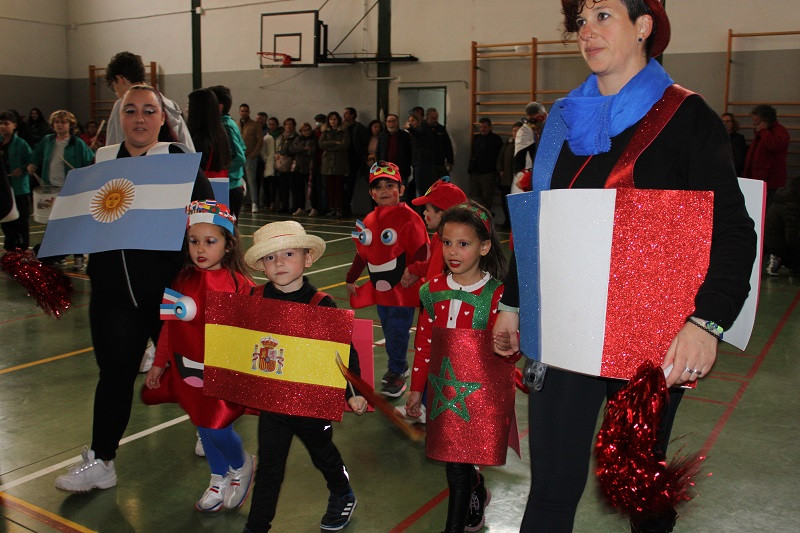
(293, 33)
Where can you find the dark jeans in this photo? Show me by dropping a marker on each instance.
(335, 186)
(17, 232)
(275, 434)
(396, 323)
(298, 185)
(564, 416)
(119, 334)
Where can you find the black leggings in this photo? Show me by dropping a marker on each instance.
(562, 417)
(461, 478)
(119, 334)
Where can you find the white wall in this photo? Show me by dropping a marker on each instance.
(34, 38)
(56, 38)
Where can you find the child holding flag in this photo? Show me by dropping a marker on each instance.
(214, 263)
(462, 299)
(283, 250)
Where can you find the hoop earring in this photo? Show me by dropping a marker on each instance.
(640, 40)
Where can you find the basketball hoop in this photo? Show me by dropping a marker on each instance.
(274, 59)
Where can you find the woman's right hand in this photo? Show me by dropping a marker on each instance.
(351, 289)
(505, 333)
(153, 379)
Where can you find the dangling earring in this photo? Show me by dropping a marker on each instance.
(640, 40)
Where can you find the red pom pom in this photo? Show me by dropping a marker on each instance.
(632, 478)
(51, 287)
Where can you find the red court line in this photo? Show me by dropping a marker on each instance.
(419, 513)
(723, 420)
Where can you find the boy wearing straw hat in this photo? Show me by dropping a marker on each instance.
(283, 250)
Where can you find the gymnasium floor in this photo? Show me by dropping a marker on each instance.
(744, 417)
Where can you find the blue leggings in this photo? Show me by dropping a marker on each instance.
(223, 448)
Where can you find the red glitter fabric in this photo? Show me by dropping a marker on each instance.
(659, 257)
(305, 381)
(471, 408)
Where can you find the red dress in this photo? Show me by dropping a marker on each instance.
(182, 344)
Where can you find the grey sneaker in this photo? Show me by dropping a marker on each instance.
(88, 474)
(394, 386)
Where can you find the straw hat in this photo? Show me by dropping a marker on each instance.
(281, 236)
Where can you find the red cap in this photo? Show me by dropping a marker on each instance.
(385, 170)
(443, 195)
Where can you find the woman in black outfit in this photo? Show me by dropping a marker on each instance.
(127, 286)
(617, 39)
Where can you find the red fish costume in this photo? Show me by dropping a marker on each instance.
(387, 241)
(182, 344)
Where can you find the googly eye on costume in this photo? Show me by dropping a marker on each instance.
(176, 306)
(388, 236)
(363, 235)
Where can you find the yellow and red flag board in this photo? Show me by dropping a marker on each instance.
(276, 356)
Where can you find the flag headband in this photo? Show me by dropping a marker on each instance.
(210, 212)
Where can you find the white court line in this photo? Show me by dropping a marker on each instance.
(69, 462)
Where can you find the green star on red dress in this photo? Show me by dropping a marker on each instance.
(441, 402)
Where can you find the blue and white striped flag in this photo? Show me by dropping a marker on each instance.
(128, 203)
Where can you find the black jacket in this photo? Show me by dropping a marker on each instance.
(139, 276)
(691, 153)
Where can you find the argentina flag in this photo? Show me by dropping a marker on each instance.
(128, 203)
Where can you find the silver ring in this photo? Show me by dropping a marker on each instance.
(689, 370)
(698, 372)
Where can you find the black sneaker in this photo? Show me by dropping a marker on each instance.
(394, 386)
(340, 511)
(385, 377)
(477, 504)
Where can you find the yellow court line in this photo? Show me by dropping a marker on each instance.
(47, 360)
(41, 515)
(362, 278)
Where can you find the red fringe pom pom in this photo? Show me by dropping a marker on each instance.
(50, 287)
(633, 479)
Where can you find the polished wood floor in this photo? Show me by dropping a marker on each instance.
(744, 417)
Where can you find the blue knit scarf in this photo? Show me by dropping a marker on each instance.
(593, 119)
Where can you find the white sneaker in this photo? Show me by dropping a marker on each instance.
(198, 447)
(211, 500)
(88, 474)
(253, 208)
(239, 482)
(149, 357)
(298, 212)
